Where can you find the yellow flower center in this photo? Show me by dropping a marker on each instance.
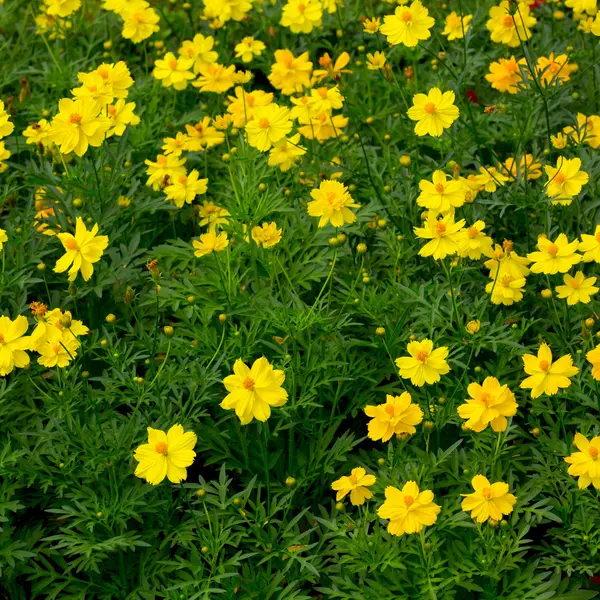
(406, 16)
(508, 245)
(249, 99)
(473, 232)
(173, 63)
(389, 409)
(408, 500)
(552, 250)
(439, 188)
(593, 452)
(486, 398)
(56, 348)
(560, 178)
(422, 355)
(429, 108)
(288, 61)
(161, 448)
(597, 236)
(575, 284)
(506, 280)
(322, 92)
(183, 180)
(486, 492)
(75, 118)
(440, 228)
(544, 365)
(138, 17)
(301, 7)
(92, 88)
(264, 123)
(103, 72)
(2, 338)
(249, 384)
(112, 110)
(71, 244)
(508, 21)
(162, 161)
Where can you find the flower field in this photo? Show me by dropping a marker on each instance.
(299, 300)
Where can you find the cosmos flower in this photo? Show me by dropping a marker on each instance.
(356, 484)
(489, 501)
(424, 365)
(545, 376)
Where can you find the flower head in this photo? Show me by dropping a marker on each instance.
(173, 71)
(302, 16)
(590, 246)
(332, 203)
(554, 257)
(433, 112)
(248, 48)
(456, 27)
(547, 377)
(444, 234)
(408, 25)
(474, 243)
(566, 179)
(398, 415)
(510, 28)
(489, 500)
(139, 23)
(210, 242)
(506, 74)
(253, 391)
(13, 343)
(289, 73)
(356, 485)
(489, 404)
(441, 194)
(585, 464)
(577, 289)
(266, 235)
(269, 124)
(425, 364)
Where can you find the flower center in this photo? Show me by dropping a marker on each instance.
(301, 7)
(103, 72)
(161, 448)
(138, 17)
(575, 284)
(249, 99)
(161, 160)
(408, 500)
(38, 309)
(389, 409)
(264, 123)
(439, 188)
(473, 232)
(422, 355)
(486, 492)
(486, 398)
(440, 228)
(508, 21)
(112, 110)
(560, 178)
(173, 63)
(552, 250)
(593, 452)
(183, 180)
(544, 365)
(406, 16)
(508, 245)
(249, 384)
(56, 348)
(597, 236)
(322, 92)
(2, 338)
(71, 244)
(506, 280)
(75, 118)
(429, 108)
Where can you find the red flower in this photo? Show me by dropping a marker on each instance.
(472, 97)
(535, 3)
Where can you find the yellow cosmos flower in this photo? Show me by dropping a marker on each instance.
(356, 485)
(290, 74)
(3, 238)
(61, 8)
(266, 235)
(590, 246)
(489, 404)
(506, 74)
(506, 289)
(593, 357)
(372, 25)
(580, 6)
(433, 112)
(212, 215)
(55, 326)
(585, 464)
(577, 289)
(5, 154)
(547, 377)
(441, 194)
(554, 257)
(408, 509)
(554, 70)
(269, 124)
(506, 261)
(398, 415)
(6, 127)
(78, 125)
(210, 242)
(185, 188)
(248, 48)
(408, 25)
(164, 170)
(200, 51)
(424, 365)
(253, 391)
(37, 132)
(376, 61)
(244, 103)
(489, 501)
(527, 167)
(332, 203)
(510, 28)
(331, 69)
(117, 77)
(13, 343)
(474, 243)
(566, 179)
(215, 78)
(82, 250)
(202, 135)
(284, 153)
(324, 127)
(139, 23)
(587, 130)
(302, 16)
(165, 455)
(173, 71)
(444, 234)
(489, 178)
(58, 354)
(456, 27)
(120, 115)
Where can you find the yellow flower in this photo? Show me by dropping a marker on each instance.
(172, 71)
(433, 112)
(302, 16)
(269, 124)
(330, 68)
(590, 246)
(324, 127)
(488, 501)
(139, 23)
(587, 130)
(559, 141)
(165, 455)
(243, 104)
(547, 377)
(6, 127)
(566, 179)
(489, 178)
(37, 133)
(120, 115)
(226, 10)
(580, 6)
(285, 152)
(585, 464)
(202, 135)
(372, 25)
(164, 170)
(290, 74)
(527, 166)
(94, 88)
(13, 343)
(507, 28)
(444, 234)
(3, 238)
(506, 74)
(554, 70)
(252, 392)
(577, 289)
(82, 250)
(210, 242)
(398, 415)
(473, 327)
(356, 485)
(58, 354)
(61, 8)
(489, 404)
(376, 61)
(408, 509)
(5, 154)
(185, 188)
(408, 25)
(424, 365)
(78, 125)
(212, 215)
(266, 235)
(508, 262)
(248, 48)
(332, 202)
(474, 243)
(200, 50)
(593, 357)
(506, 289)
(440, 194)
(215, 78)
(117, 77)
(55, 326)
(554, 257)
(456, 27)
